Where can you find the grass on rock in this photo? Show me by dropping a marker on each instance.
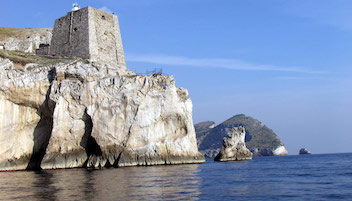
(19, 57)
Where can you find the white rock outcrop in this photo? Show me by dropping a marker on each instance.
(234, 146)
(26, 40)
(280, 151)
(92, 115)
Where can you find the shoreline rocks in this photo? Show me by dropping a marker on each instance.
(234, 147)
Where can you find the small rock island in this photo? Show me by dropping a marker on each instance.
(304, 151)
(234, 147)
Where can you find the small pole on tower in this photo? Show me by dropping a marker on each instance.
(75, 7)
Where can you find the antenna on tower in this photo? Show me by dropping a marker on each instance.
(75, 7)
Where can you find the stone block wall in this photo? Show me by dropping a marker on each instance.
(105, 38)
(91, 34)
(43, 50)
(71, 36)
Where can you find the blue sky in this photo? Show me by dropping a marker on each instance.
(286, 63)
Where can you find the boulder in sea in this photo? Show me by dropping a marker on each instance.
(304, 151)
(234, 147)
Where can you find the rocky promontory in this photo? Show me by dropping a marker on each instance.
(74, 103)
(59, 113)
(260, 139)
(234, 147)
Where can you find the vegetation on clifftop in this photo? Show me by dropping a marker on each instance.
(22, 58)
(6, 32)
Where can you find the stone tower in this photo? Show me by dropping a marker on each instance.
(88, 33)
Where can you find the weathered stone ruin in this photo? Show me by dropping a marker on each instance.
(87, 33)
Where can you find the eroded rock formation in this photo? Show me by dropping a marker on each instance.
(260, 139)
(80, 114)
(234, 147)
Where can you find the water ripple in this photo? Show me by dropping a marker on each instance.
(313, 177)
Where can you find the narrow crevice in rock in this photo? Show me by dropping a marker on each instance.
(117, 160)
(123, 157)
(88, 142)
(42, 134)
(108, 164)
(43, 130)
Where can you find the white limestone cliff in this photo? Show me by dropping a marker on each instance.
(280, 151)
(92, 115)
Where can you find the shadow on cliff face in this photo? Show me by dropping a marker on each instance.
(42, 131)
(88, 142)
(42, 134)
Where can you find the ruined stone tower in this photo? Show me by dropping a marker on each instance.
(90, 34)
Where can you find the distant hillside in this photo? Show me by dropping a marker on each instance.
(202, 129)
(260, 139)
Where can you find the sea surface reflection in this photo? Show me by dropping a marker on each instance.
(310, 177)
(133, 183)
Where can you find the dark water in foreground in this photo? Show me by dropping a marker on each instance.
(309, 177)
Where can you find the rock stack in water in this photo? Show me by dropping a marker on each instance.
(234, 147)
(260, 139)
(304, 151)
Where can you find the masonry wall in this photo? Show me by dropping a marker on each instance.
(43, 50)
(71, 35)
(105, 38)
(91, 34)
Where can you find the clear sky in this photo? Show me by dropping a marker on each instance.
(285, 63)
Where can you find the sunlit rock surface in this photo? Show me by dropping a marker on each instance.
(234, 146)
(80, 114)
(26, 40)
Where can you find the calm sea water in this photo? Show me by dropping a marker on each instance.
(309, 177)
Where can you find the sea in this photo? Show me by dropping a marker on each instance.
(300, 177)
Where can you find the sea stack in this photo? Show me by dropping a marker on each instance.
(304, 151)
(260, 139)
(234, 147)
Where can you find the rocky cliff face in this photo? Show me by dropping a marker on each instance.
(260, 139)
(77, 114)
(26, 40)
(234, 147)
